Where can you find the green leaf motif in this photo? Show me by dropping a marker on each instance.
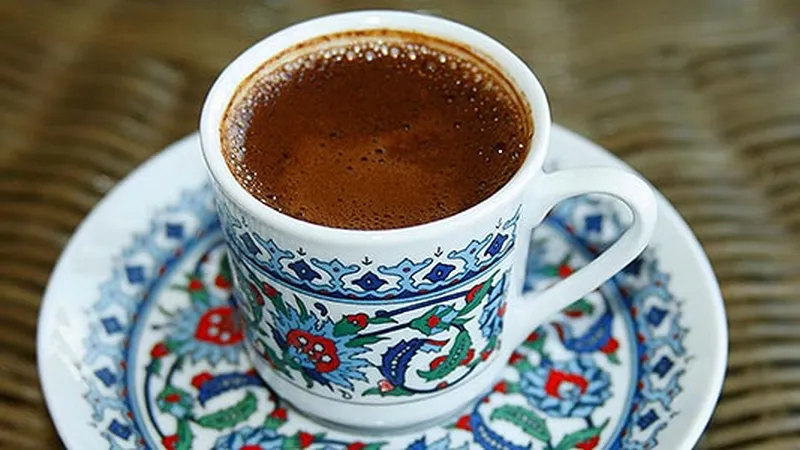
(478, 297)
(571, 440)
(199, 296)
(277, 301)
(525, 419)
(535, 341)
(231, 416)
(374, 446)
(461, 320)
(381, 320)
(225, 268)
(362, 341)
(170, 395)
(422, 323)
(581, 306)
(344, 327)
(613, 359)
(185, 436)
(155, 367)
(457, 354)
(273, 423)
(302, 307)
(295, 442)
(372, 391)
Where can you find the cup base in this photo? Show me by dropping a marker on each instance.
(386, 432)
(381, 419)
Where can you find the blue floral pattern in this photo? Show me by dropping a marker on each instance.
(572, 388)
(363, 281)
(249, 438)
(310, 345)
(491, 320)
(182, 352)
(189, 334)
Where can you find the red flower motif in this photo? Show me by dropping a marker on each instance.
(610, 347)
(305, 439)
(468, 357)
(195, 285)
(463, 423)
(564, 271)
(320, 350)
(574, 313)
(385, 386)
(172, 398)
(556, 377)
(501, 387)
(279, 414)
(170, 442)
(515, 358)
(357, 446)
(222, 282)
(360, 320)
(533, 337)
(473, 292)
(269, 291)
(437, 362)
(218, 326)
(159, 350)
(442, 385)
(254, 290)
(589, 444)
(200, 379)
(433, 320)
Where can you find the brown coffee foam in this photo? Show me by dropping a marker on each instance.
(375, 131)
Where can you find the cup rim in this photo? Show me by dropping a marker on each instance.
(251, 59)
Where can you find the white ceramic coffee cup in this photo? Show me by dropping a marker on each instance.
(386, 330)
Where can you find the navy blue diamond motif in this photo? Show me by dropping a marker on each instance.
(496, 245)
(662, 366)
(111, 324)
(135, 274)
(593, 223)
(119, 429)
(647, 419)
(439, 272)
(369, 282)
(656, 315)
(174, 231)
(106, 376)
(304, 271)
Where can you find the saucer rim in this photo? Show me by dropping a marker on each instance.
(667, 214)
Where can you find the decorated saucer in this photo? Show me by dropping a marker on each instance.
(138, 346)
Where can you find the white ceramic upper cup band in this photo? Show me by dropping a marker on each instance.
(254, 57)
(548, 190)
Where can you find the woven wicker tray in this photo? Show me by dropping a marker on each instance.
(701, 97)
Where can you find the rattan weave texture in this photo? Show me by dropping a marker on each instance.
(703, 97)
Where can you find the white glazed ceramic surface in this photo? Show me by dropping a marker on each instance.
(390, 329)
(128, 358)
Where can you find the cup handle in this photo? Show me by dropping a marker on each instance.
(532, 309)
